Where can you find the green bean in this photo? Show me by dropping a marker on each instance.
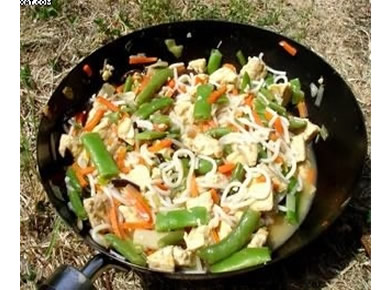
(150, 135)
(126, 248)
(180, 219)
(297, 123)
(218, 132)
(241, 58)
(185, 162)
(102, 159)
(297, 94)
(245, 258)
(238, 173)
(278, 108)
(267, 93)
(214, 61)
(74, 190)
(173, 48)
(146, 109)
(291, 201)
(129, 108)
(204, 167)
(234, 241)
(171, 238)
(154, 85)
(260, 109)
(202, 108)
(246, 81)
(160, 119)
(261, 153)
(227, 149)
(128, 84)
(269, 80)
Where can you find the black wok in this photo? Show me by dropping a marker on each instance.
(340, 158)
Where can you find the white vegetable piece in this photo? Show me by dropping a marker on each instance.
(126, 131)
(282, 91)
(255, 68)
(203, 144)
(140, 176)
(162, 260)
(224, 230)
(223, 75)
(263, 205)
(310, 131)
(197, 238)
(182, 257)
(245, 154)
(298, 148)
(184, 112)
(203, 200)
(198, 65)
(147, 238)
(259, 190)
(96, 209)
(258, 239)
(70, 142)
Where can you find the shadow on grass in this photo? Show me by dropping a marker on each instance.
(311, 268)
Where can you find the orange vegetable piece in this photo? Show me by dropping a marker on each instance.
(302, 109)
(226, 168)
(140, 59)
(108, 104)
(160, 145)
(95, 120)
(288, 47)
(214, 96)
(87, 69)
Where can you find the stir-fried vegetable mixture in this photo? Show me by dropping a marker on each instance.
(183, 167)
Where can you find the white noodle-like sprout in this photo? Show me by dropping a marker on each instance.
(146, 154)
(281, 77)
(91, 184)
(97, 237)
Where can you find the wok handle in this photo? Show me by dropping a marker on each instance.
(68, 277)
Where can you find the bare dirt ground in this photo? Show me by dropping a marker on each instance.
(53, 40)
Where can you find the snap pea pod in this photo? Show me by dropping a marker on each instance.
(260, 109)
(150, 135)
(173, 48)
(278, 108)
(180, 219)
(238, 172)
(234, 241)
(74, 190)
(214, 61)
(291, 201)
(296, 123)
(185, 162)
(102, 159)
(297, 94)
(267, 93)
(245, 258)
(160, 119)
(202, 108)
(129, 108)
(174, 133)
(171, 238)
(128, 84)
(261, 153)
(204, 167)
(218, 132)
(241, 58)
(154, 85)
(126, 248)
(246, 81)
(146, 109)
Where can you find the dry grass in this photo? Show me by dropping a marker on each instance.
(53, 41)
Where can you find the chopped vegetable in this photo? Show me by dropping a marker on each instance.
(204, 167)
(74, 193)
(238, 173)
(108, 104)
(160, 145)
(218, 132)
(214, 96)
(150, 135)
(146, 109)
(160, 119)
(155, 83)
(128, 84)
(246, 81)
(202, 108)
(87, 70)
(297, 123)
(288, 47)
(180, 219)
(172, 238)
(214, 61)
(176, 50)
(140, 59)
(194, 191)
(226, 168)
(126, 248)
(241, 58)
(302, 109)
(95, 120)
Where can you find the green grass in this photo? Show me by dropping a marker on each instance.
(47, 12)
(26, 79)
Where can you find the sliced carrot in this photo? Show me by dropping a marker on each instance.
(273, 136)
(114, 221)
(140, 59)
(87, 69)
(214, 195)
(257, 118)
(249, 100)
(194, 187)
(260, 179)
(79, 175)
(216, 94)
(87, 170)
(230, 66)
(138, 225)
(310, 175)
(268, 116)
(171, 83)
(108, 104)
(95, 120)
(120, 159)
(288, 47)
(162, 186)
(160, 145)
(279, 159)
(226, 168)
(215, 236)
(141, 205)
(198, 80)
(278, 126)
(302, 109)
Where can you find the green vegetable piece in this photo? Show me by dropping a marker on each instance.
(234, 241)
(102, 159)
(126, 248)
(160, 119)
(74, 193)
(241, 58)
(202, 108)
(146, 109)
(176, 50)
(222, 100)
(218, 132)
(292, 213)
(114, 117)
(278, 108)
(296, 123)
(129, 108)
(214, 62)
(128, 84)
(204, 167)
(245, 258)
(154, 85)
(297, 94)
(150, 135)
(238, 173)
(246, 81)
(186, 166)
(267, 93)
(269, 80)
(227, 150)
(261, 153)
(172, 238)
(180, 219)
